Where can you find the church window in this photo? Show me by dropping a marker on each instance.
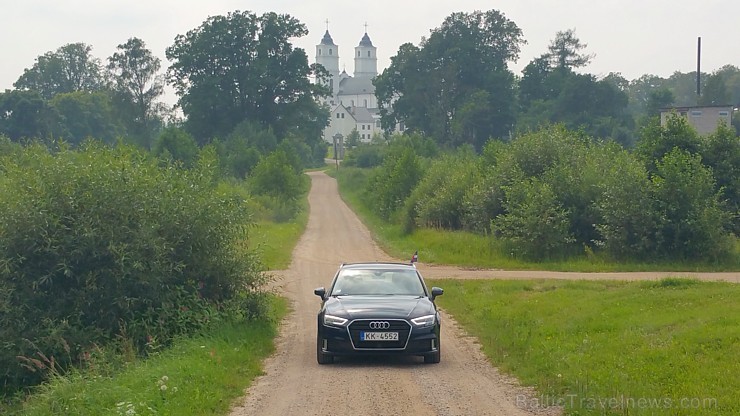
(319, 51)
(368, 54)
(358, 54)
(365, 103)
(329, 51)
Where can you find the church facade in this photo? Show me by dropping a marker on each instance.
(353, 103)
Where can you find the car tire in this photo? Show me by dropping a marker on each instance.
(434, 357)
(321, 356)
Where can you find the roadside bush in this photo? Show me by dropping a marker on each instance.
(365, 156)
(721, 152)
(535, 225)
(104, 245)
(656, 141)
(275, 175)
(390, 185)
(627, 210)
(691, 221)
(435, 201)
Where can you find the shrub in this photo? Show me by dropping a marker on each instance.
(177, 145)
(365, 156)
(535, 224)
(691, 222)
(391, 184)
(436, 199)
(103, 244)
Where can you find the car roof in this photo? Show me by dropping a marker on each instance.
(378, 265)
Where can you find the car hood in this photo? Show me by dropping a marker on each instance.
(357, 307)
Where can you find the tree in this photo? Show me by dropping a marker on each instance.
(691, 219)
(243, 67)
(83, 115)
(656, 141)
(715, 91)
(68, 69)
(433, 88)
(532, 84)
(721, 152)
(564, 51)
(137, 85)
(176, 144)
(25, 114)
(657, 99)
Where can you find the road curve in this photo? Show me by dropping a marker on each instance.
(464, 383)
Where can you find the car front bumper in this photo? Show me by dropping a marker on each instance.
(346, 340)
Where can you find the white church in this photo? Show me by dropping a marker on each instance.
(353, 104)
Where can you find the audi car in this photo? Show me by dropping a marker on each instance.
(378, 308)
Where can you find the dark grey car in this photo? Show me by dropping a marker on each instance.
(378, 308)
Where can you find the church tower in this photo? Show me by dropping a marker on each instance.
(327, 55)
(366, 59)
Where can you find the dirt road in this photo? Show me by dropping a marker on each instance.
(464, 383)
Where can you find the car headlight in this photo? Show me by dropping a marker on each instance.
(334, 320)
(422, 321)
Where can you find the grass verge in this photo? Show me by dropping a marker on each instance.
(202, 375)
(277, 240)
(669, 347)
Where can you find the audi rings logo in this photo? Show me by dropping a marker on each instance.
(380, 325)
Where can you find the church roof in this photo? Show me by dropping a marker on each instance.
(356, 86)
(327, 40)
(361, 114)
(366, 41)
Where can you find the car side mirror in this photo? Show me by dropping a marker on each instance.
(320, 292)
(437, 291)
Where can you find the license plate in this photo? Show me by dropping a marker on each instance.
(378, 336)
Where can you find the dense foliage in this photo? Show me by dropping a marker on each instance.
(107, 244)
(556, 193)
(455, 86)
(242, 67)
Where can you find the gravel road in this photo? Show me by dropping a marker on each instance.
(464, 383)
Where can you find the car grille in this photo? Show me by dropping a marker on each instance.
(396, 325)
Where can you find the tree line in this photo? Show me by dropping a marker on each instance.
(456, 87)
(241, 68)
(233, 74)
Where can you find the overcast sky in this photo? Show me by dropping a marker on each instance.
(633, 37)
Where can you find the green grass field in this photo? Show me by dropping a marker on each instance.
(202, 375)
(670, 347)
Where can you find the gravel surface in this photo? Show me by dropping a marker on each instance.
(464, 383)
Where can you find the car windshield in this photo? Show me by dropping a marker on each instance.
(377, 282)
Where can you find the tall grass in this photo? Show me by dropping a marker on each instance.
(669, 347)
(201, 375)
